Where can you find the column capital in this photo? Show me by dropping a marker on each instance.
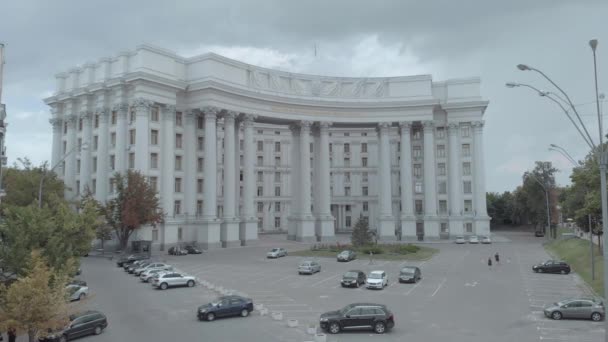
(141, 104)
(70, 119)
(120, 107)
(56, 123)
(230, 115)
(248, 120)
(428, 125)
(86, 115)
(305, 125)
(211, 111)
(190, 114)
(477, 125)
(405, 126)
(453, 127)
(168, 112)
(54, 110)
(383, 127)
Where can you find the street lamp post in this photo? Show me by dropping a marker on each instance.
(43, 176)
(547, 202)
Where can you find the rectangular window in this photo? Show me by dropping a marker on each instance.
(347, 191)
(178, 163)
(260, 161)
(442, 189)
(112, 162)
(346, 148)
(469, 227)
(260, 191)
(79, 143)
(468, 206)
(177, 207)
(311, 148)
(241, 143)
(277, 161)
(466, 187)
(154, 160)
(444, 227)
(347, 221)
(153, 183)
(417, 170)
(114, 116)
(65, 128)
(199, 207)
(347, 134)
(443, 207)
(277, 191)
(364, 177)
(260, 131)
(346, 162)
(347, 176)
(364, 161)
(96, 121)
(93, 186)
(154, 114)
(199, 165)
(95, 142)
(277, 222)
(201, 143)
(466, 169)
(277, 177)
(132, 137)
(260, 223)
(199, 122)
(178, 141)
(199, 186)
(441, 151)
(94, 164)
(277, 206)
(466, 150)
(277, 146)
(260, 146)
(441, 169)
(418, 187)
(178, 119)
(464, 130)
(440, 133)
(417, 152)
(416, 134)
(347, 208)
(111, 185)
(260, 176)
(365, 206)
(419, 209)
(260, 207)
(331, 147)
(154, 137)
(131, 160)
(132, 116)
(178, 185)
(78, 166)
(364, 147)
(113, 139)
(365, 191)
(154, 234)
(65, 146)
(179, 233)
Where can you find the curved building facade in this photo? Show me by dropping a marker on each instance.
(235, 150)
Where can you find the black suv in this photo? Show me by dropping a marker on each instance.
(193, 250)
(81, 324)
(130, 259)
(353, 278)
(358, 316)
(552, 266)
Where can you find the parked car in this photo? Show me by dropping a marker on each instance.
(135, 263)
(552, 266)
(276, 253)
(410, 274)
(77, 292)
(135, 266)
(193, 250)
(171, 279)
(177, 250)
(358, 316)
(460, 240)
(153, 265)
(539, 233)
(148, 274)
(582, 308)
(224, 307)
(353, 278)
(309, 267)
(77, 282)
(81, 324)
(486, 240)
(347, 255)
(473, 239)
(130, 258)
(376, 280)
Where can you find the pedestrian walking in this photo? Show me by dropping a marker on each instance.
(490, 262)
(497, 258)
(12, 334)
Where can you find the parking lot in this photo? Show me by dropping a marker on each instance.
(459, 298)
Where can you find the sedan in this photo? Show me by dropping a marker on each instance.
(171, 279)
(77, 292)
(276, 253)
(486, 240)
(347, 255)
(193, 250)
(176, 250)
(309, 267)
(552, 266)
(582, 308)
(473, 239)
(410, 274)
(153, 265)
(353, 278)
(148, 274)
(460, 240)
(224, 307)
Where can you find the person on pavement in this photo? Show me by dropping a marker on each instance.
(490, 262)
(497, 258)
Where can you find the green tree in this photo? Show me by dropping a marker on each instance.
(534, 184)
(103, 231)
(36, 302)
(56, 230)
(361, 235)
(22, 181)
(135, 205)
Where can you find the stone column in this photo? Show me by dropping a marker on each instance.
(386, 222)
(122, 147)
(455, 181)
(408, 220)
(294, 177)
(306, 224)
(482, 220)
(142, 133)
(209, 232)
(85, 154)
(167, 181)
(229, 234)
(190, 157)
(103, 181)
(431, 222)
(69, 177)
(57, 124)
(325, 221)
(248, 231)
(237, 167)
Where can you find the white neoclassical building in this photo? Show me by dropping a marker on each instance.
(235, 150)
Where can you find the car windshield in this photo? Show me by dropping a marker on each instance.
(304, 264)
(275, 250)
(375, 276)
(345, 253)
(460, 237)
(72, 289)
(350, 274)
(407, 271)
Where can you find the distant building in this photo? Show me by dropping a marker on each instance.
(236, 150)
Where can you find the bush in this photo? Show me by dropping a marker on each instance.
(361, 235)
(374, 249)
(405, 249)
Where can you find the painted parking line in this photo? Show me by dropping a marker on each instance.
(324, 280)
(439, 287)
(412, 288)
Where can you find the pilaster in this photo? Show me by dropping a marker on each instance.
(249, 223)
(294, 208)
(122, 148)
(168, 160)
(386, 221)
(325, 220)
(306, 223)
(482, 221)
(142, 132)
(85, 155)
(102, 177)
(455, 181)
(229, 234)
(408, 220)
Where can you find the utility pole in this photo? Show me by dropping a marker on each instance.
(591, 246)
(2, 124)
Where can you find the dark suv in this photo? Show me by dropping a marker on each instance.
(358, 316)
(81, 324)
(552, 266)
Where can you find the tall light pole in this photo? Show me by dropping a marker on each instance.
(43, 176)
(547, 202)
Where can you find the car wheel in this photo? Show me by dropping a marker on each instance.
(210, 317)
(556, 315)
(163, 286)
(343, 285)
(81, 296)
(563, 272)
(540, 270)
(244, 313)
(63, 339)
(357, 284)
(97, 330)
(596, 316)
(334, 328)
(379, 328)
(190, 283)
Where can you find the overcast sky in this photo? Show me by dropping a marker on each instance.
(444, 38)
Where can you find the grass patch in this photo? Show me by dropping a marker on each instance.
(576, 252)
(380, 251)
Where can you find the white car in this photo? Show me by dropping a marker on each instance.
(473, 239)
(153, 265)
(146, 275)
(460, 240)
(376, 280)
(276, 253)
(486, 240)
(77, 292)
(170, 279)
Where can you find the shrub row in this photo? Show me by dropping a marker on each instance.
(375, 249)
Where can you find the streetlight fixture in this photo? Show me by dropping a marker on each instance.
(553, 147)
(84, 146)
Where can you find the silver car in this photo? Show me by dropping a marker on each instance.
(276, 253)
(148, 274)
(586, 308)
(151, 266)
(309, 267)
(473, 239)
(460, 240)
(77, 292)
(171, 279)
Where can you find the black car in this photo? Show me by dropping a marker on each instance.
(357, 316)
(224, 307)
(410, 274)
(193, 250)
(552, 266)
(347, 255)
(177, 250)
(81, 324)
(129, 259)
(353, 278)
(539, 233)
(130, 267)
